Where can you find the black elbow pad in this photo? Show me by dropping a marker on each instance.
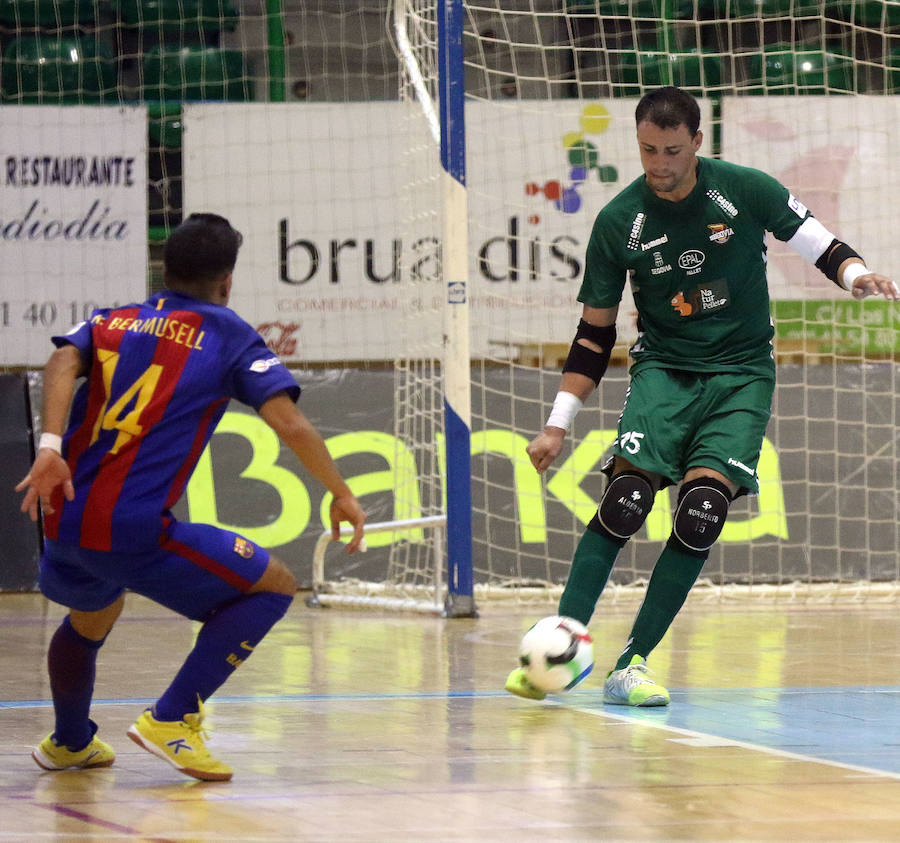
(585, 361)
(831, 259)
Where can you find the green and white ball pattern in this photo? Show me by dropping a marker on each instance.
(556, 654)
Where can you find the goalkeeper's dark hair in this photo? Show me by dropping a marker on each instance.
(669, 107)
(201, 250)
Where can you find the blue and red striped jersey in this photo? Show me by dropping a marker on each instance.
(160, 377)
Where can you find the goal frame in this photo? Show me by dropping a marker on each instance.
(446, 125)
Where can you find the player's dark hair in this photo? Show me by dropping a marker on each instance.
(202, 249)
(669, 107)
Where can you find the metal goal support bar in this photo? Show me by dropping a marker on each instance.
(321, 596)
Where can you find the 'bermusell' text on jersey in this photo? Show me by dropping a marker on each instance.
(160, 377)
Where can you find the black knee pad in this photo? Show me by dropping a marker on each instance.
(624, 506)
(700, 514)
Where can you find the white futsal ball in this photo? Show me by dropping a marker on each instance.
(556, 654)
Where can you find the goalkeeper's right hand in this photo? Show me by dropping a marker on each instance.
(545, 447)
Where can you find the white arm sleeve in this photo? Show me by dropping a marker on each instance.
(811, 240)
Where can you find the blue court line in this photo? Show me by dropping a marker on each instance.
(853, 727)
(281, 698)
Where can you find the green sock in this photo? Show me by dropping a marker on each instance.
(672, 578)
(594, 558)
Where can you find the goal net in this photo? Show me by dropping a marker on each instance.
(801, 90)
(316, 128)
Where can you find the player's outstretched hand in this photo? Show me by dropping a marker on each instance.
(347, 508)
(48, 472)
(545, 447)
(873, 284)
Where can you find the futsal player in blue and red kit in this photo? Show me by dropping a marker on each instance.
(159, 376)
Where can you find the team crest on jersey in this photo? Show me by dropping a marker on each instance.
(659, 265)
(719, 233)
(242, 547)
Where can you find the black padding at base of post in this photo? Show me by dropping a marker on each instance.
(20, 537)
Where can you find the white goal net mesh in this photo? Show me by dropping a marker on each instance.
(801, 90)
(313, 126)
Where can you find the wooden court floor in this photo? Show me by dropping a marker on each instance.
(350, 725)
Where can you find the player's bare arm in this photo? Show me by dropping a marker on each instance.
(50, 470)
(299, 434)
(584, 367)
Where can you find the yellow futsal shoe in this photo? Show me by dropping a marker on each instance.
(51, 756)
(517, 684)
(632, 685)
(181, 743)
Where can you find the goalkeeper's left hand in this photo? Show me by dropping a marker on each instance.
(873, 284)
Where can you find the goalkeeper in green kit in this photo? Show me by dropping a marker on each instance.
(688, 235)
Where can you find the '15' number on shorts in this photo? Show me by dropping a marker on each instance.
(631, 441)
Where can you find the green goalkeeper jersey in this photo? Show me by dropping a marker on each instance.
(697, 268)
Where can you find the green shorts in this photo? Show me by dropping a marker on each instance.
(675, 420)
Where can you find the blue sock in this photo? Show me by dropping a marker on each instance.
(72, 664)
(226, 640)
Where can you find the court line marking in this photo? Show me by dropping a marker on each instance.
(90, 819)
(280, 698)
(703, 737)
(374, 696)
(496, 694)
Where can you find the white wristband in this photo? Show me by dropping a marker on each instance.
(565, 408)
(851, 273)
(53, 441)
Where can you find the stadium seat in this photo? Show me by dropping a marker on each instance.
(634, 9)
(165, 127)
(635, 73)
(780, 70)
(47, 14)
(193, 73)
(178, 15)
(736, 9)
(53, 69)
(893, 72)
(875, 14)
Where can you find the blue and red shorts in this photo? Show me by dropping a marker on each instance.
(195, 570)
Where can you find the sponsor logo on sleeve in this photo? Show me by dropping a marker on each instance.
(797, 206)
(264, 365)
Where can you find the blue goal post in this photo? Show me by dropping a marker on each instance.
(457, 380)
(447, 123)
